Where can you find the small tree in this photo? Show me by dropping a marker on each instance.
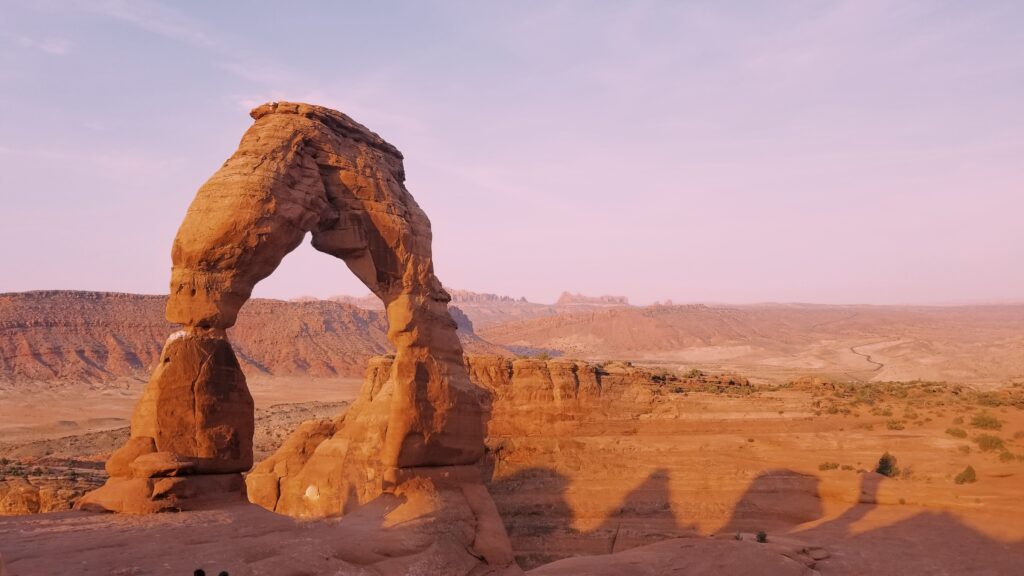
(887, 465)
(968, 476)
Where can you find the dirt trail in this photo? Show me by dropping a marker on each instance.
(878, 365)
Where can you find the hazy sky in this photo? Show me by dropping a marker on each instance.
(842, 152)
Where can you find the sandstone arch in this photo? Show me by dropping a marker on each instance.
(299, 169)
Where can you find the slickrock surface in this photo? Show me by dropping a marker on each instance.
(684, 557)
(429, 526)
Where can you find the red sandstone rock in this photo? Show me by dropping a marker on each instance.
(303, 169)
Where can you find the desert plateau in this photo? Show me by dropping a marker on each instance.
(629, 289)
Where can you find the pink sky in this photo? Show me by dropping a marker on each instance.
(836, 152)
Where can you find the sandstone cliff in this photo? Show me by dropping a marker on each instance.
(100, 336)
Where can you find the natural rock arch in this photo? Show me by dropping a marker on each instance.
(299, 169)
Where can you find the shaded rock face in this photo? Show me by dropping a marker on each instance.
(330, 467)
(543, 417)
(299, 169)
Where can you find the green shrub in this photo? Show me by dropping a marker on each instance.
(762, 536)
(986, 421)
(988, 442)
(828, 466)
(968, 476)
(887, 466)
(956, 432)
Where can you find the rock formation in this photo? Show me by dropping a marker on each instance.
(299, 169)
(570, 299)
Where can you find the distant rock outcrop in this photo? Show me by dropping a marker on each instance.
(570, 299)
(98, 337)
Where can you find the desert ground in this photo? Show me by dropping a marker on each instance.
(707, 449)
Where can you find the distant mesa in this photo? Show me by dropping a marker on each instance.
(571, 299)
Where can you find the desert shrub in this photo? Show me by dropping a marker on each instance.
(990, 399)
(762, 536)
(847, 467)
(988, 442)
(895, 425)
(964, 448)
(1006, 456)
(986, 421)
(828, 466)
(968, 476)
(887, 466)
(1018, 435)
(956, 432)
(738, 536)
(693, 373)
(958, 420)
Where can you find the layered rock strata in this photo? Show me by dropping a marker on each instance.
(299, 169)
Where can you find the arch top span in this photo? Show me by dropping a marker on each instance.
(299, 169)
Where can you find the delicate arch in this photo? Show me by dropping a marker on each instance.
(299, 169)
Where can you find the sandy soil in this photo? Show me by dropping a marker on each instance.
(58, 409)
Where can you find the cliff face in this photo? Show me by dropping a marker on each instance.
(102, 336)
(549, 424)
(338, 460)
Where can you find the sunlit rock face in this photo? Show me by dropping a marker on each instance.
(299, 169)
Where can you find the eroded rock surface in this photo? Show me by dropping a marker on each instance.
(329, 467)
(299, 170)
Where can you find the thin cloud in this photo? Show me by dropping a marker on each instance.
(165, 21)
(52, 46)
(154, 17)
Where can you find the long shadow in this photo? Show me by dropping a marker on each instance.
(785, 503)
(540, 520)
(924, 543)
(776, 499)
